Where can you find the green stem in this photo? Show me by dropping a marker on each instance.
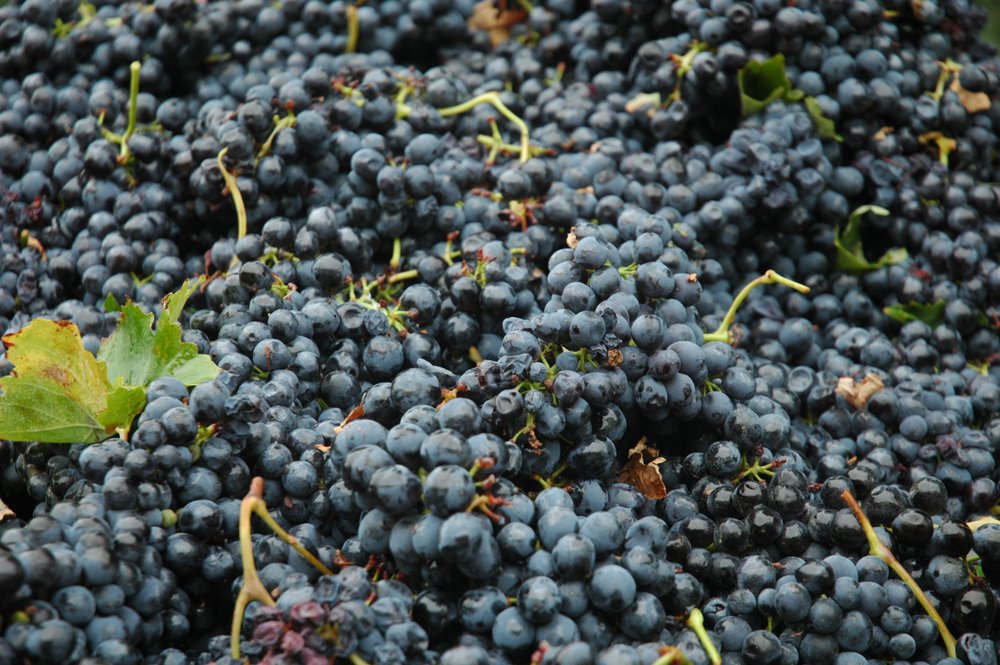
(627, 271)
(696, 622)
(260, 508)
(403, 276)
(494, 100)
(279, 124)
(397, 251)
(721, 334)
(672, 656)
(124, 154)
(877, 548)
(684, 64)
(234, 191)
(757, 470)
(948, 67)
(353, 29)
(449, 255)
(252, 588)
(643, 100)
(133, 108)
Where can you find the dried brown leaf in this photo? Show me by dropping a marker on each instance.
(644, 476)
(974, 102)
(857, 393)
(571, 240)
(642, 446)
(356, 413)
(5, 512)
(495, 21)
(883, 133)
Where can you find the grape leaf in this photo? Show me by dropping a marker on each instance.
(824, 126)
(763, 82)
(111, 304)
(497, 22)
(141, 354)
(857, 393)
(58, 392)
(644, 475)
(851, 256)
(974, 102)
(932, 314)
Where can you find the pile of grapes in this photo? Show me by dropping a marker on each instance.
(576, 332)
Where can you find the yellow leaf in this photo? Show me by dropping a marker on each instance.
(974, 102)
(58, 392)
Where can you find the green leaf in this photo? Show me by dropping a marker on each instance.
(763, 82)
(932, 314)
(982, 319)
(58, 392)
(111, 304)
(824, 126)
(139, 354)
(850, 254)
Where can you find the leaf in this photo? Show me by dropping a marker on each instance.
(932, 314)
(495, 21)
(644, 476)
(858, 393)
(111, 304)
(139, 354)
(763, 82)
(883, 133)
(850, 254)
(58, 392)
(974, 102)
(824, 126)
(5, 512)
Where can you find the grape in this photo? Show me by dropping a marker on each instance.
(468, 290)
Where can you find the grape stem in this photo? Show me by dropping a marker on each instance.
(234, 191)
(877, 548)
(403, 276)
(493, 99)
(671, 656)
(722, 333)
(353, 29)
(696, 622)
(121, 140)
(279, 124)
(133, 107)
(397, 252)
(252, 588)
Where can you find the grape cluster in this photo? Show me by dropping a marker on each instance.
(556, 332)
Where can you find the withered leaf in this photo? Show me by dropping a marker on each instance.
(974, 102)
(644, 476)
(571, 240)
(857, 393)
(883, 133)
(5, 512)
(495, 20)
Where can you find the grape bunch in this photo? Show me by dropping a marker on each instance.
(550, 332)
